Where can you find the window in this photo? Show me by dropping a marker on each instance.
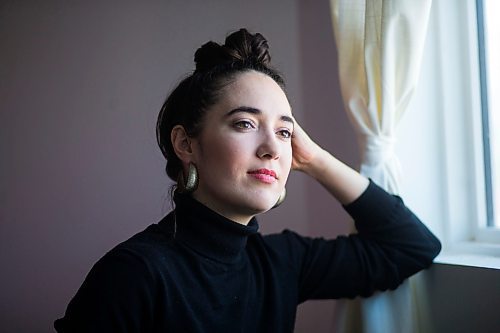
(489, 58)
(441, 142)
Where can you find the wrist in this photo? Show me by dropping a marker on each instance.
(316, 165)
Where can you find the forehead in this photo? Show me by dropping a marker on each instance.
(257, 90)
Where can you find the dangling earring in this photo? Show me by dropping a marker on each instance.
(191, 183)
(280, 199)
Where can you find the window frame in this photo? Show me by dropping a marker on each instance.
(472, 234)
(484, 91)
(455, 175)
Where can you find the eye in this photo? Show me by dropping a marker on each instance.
(244, 125)
(285, 133)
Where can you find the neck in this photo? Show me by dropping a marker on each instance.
(207, 232)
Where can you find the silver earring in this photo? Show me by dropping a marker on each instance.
(189, 184)
(280, 199)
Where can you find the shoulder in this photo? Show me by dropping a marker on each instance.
(140, 254)
(121, 289)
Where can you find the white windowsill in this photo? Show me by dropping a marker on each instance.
(473, 255)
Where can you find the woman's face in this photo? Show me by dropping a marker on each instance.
(243, 153)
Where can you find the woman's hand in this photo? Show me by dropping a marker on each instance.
(339, 179)
(305, 150)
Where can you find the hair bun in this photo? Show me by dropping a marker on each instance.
(245, 46)
(210, 55)
(240, 47)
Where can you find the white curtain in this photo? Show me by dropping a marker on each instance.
(380, 46)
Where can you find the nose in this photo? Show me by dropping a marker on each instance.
(269, 147)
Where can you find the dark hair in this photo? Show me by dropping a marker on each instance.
(216, 67)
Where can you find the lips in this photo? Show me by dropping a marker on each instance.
(264, 175)
(263, 172)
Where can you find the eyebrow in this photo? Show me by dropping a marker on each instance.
(248, 109)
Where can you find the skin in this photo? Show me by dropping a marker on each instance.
(248, 132)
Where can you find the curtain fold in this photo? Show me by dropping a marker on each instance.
(380, 47)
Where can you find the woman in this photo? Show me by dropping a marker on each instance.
(230, 140)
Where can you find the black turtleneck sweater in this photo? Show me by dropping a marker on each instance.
(196, 271)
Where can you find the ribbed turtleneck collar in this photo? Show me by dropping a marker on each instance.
(208, 232)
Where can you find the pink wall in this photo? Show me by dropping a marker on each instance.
(81, 83)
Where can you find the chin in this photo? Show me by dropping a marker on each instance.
(262, 206)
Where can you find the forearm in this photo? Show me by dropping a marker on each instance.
(385, 224)
(340, 180)
(391, 244)
(343, 182)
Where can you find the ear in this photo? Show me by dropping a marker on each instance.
(182, 144)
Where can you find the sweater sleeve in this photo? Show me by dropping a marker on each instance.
(391, 245)
(116, 296)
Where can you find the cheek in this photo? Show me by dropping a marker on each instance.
(287, 154)
(285, 162)
(235, 158)
(226, 155)
(286, 159)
